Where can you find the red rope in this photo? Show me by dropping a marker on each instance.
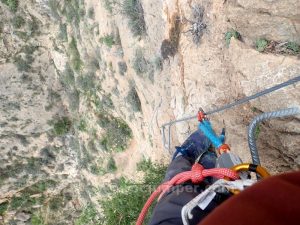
(196, 175)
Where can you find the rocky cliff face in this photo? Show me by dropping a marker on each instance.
(86, 85)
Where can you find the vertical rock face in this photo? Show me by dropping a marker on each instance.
(275, 20)
(85, 87)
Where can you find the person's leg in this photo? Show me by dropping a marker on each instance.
(168, 209)
(195, 146)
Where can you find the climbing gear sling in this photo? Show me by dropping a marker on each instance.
(196, 175)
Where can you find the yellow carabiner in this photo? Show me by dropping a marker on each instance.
(251, 168)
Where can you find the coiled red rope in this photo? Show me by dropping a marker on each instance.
(196, 175)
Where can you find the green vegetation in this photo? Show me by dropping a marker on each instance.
(122, 67)
(23, 62)
(62, 126)
(117, 39)
(117, 133)
(91, 13)
(134, 100)
(108, 5)
(29, 49)
(257, 131)
(74, 55)
(82, 12)
(63, 34)
(105, 167)
(107, 141)
(33, 165)
(12, 4)
(97, 170)
(86, 158)
(3, 208)
(72, 12)
(261, 45)
(1, 28)
(254, 109)
(108, 40)
(17, 202)
(92, 64)
(158, 63)
(12, 171)
(133, 10)
(89, 216)
(73, 99)
(40, 187)
(103, 105)
(56, 203)
(140, 64)
(25, 201)
(111, 165)
(128, 199)
(47, 154)
(22, 139)
(22, 201)
(53, 98)
(86, 83)
(22, 35)
(230, 34)
(293, 46)
(82, 125)
(107, 103)
(18, 22)
(54, 5)
(110, 66)
(37, 219)
(67, 77)
(33, 26)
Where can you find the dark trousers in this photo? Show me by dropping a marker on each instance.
(168, 209)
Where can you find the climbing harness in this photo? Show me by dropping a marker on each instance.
(203, 199)
(167, 143)
(222, 186)
(196, 175)
(231, 180)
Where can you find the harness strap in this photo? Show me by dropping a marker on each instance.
(195, 175)
(205, 197)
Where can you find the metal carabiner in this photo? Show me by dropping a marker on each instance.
(252, 168)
